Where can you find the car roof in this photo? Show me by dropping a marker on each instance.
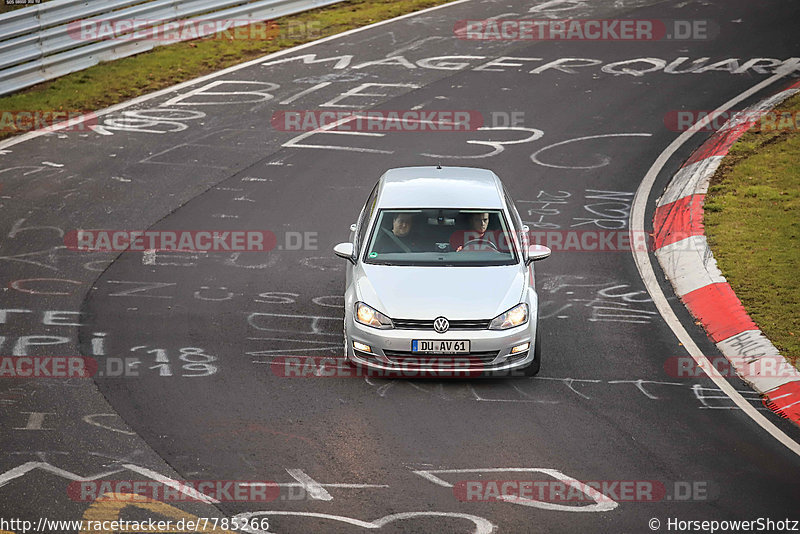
(440, 187)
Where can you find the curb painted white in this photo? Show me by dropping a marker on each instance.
(690, 180)
(689, 264)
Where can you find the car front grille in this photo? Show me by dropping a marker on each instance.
(457, 324)
(413, 359)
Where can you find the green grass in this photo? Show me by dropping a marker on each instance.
(752, 219)
(110, 83)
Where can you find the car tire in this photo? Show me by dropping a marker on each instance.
(535, 365)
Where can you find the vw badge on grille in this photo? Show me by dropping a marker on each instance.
(441, 325)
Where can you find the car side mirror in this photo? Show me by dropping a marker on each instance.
(345, 250)
(537, 252)
(353, 227)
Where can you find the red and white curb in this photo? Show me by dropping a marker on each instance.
(682, 250)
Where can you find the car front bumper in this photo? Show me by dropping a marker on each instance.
(390, 351)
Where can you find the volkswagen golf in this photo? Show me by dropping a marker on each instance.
(440, 277)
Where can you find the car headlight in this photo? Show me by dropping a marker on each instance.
(371, 317)
(518, 315)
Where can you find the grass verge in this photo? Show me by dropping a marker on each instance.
(752, 220)
(109, 83)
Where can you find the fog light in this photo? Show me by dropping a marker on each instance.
(520, 348)
(361, 347)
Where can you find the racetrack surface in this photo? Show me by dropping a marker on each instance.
(605, 407)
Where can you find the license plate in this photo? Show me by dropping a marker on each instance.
(438, 346)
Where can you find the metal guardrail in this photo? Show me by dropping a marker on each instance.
(39, 43)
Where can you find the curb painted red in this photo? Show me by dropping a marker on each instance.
(720, 311)
(682, 250)
(719, 145)
(785, 401)
(678, 220)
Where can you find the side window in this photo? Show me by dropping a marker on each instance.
(366, 215)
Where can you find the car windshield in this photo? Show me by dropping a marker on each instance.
(441, 237)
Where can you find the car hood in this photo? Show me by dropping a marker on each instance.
(404, 292)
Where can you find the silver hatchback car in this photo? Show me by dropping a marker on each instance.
(439, 279)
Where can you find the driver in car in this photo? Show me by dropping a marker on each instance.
(477, 237)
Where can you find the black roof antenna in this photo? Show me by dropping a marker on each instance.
(439, 165)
